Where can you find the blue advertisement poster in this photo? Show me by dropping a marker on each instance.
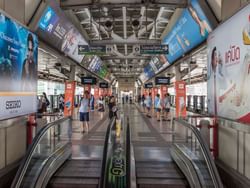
(18, 67)
(191, 29)
(54, 28)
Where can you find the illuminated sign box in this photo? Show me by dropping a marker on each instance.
(148, 85)
(162, 80)
(103, 85)
(88, 80)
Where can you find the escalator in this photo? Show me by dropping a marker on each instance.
(184, 163)
(77, 173)
(48, 161)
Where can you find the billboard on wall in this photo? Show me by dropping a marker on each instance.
(54, 28)
(18, 69)
(229, 68)
(191, 29)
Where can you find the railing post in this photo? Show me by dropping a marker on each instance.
(215, 139)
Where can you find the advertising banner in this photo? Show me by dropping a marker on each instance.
(229, 68)
(87, 87)
(190, 30)
(96, 92)
(153, 67)
(58, 31)
(18, 66)
(180, 99)
(101, 92)
(69, 98)
(164, 91)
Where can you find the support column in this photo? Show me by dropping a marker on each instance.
(177, 73)
(72, 73)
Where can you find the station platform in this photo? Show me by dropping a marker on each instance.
(146, 150)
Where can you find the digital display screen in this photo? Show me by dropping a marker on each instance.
(190, 30)
(18, 69)
(88, 80)
(162, 80)
(103, 85)
(55, 29)
(148, 85)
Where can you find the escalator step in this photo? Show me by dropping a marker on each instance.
(161, 183)
(165, 175)
(73, 182)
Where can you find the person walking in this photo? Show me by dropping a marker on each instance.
(112, 107)
(61, 104)
(84, 111)
(166, 107)
(45, 102)
(92, 102)
(157, 105)
(148, 103)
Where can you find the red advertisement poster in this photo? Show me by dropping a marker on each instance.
(96, 92)
(164, 90)
(180, 99)
(154, 92)
(87, 88)
(101, 92)
(69, 98)
(109, 92)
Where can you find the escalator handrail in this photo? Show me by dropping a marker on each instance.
(105, 152)
(128, 151)
(206, 153)
(131, 172)
(26, 160)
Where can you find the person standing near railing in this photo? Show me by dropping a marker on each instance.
(148, 103)
(84, 111)
(166, 107)
(157, 105)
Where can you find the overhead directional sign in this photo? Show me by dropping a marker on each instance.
(154, 49)
(91, 50)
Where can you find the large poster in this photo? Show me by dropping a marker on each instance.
(180, 99)
(190, 30)
(229, 68)
(18, 69)
(69, 98)
(58, 31)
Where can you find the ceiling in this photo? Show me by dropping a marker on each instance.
(122, 24)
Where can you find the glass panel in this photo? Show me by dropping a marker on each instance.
(58, 135)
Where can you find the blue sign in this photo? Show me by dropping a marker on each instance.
(48, 20)
(190, 30)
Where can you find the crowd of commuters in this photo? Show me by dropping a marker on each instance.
(160, 105)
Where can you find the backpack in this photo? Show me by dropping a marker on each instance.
(47, 102)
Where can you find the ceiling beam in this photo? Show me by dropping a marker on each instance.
(126, 57)
(121, 41)
(77, 4)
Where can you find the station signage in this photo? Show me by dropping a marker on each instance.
(103, 85)
(162, 80)
(154, 49)
(148, 85)
(88, 80)
(91, 50)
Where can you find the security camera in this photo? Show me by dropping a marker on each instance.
(136, 24)
(108, 25)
